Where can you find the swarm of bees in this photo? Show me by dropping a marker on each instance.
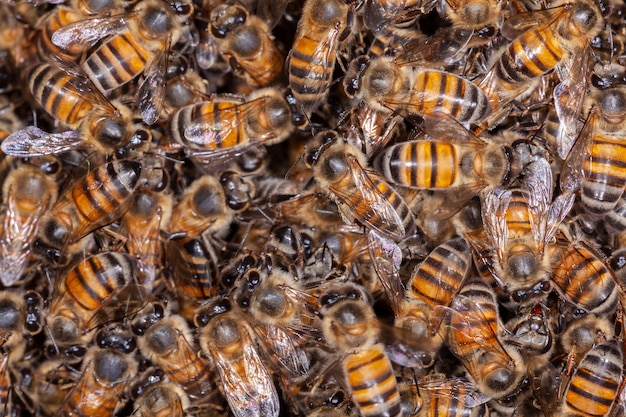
(260, 208)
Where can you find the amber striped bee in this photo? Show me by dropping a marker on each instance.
(219, 129)
(594, 163)
(133, 43)
(246, 41)
(390, 85)
(470, 328)
(95, 200)
(168, 342)
(27, 193)
(81, 299)
(361, 195)
(71, 98)
(555, 38)
(98, 391)
(229, 340)
(162, 400)
(323, 26)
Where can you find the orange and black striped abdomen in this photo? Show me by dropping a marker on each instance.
(93, 281)
(55, 90)
(531, 55)
(604, 174)
(594, 385)
(441, 92)
(194, 273)
(372, 382)
(117, 62)
(516, 214)
(439, 277)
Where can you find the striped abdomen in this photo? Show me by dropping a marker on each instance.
(594, 385)
(117, 62)
(529, 56)
(372, 382)
(193, 270)
(604, 174)
(55, 90)
(436, 92)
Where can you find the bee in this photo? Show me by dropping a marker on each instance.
(582, 277)
(162, 400)
(169, 344)
(593, 163)
(450, 397)
(470, 328)
(434, 282)
(95, 200)
(283, 317)
(350, 328)
(98, 391)
(595, 383)
(532, 333)
(449, 158)
(202, 209)
(81, 298)
(555, 38)
(519, 223)
(148, 214)
(229, 340)
(246, 41)
(390, 85)
(339, 169)
(133, 43)
(219, 129)
(27, 193)
(72, 99)
(583, 333)
(311, 61)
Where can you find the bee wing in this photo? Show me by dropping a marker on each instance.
(249, 391)
(404, 349)
(538, 181)
(282, 349)
(151, 92)
(569, 96)
(444, 128)
(571, 174)
(519, 23)
(87, 32)
(493, 203)
(125, 303)
(386, 258)
(33, 142)
(461, 390)
(445, 47)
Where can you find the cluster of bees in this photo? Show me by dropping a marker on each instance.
(318, 208)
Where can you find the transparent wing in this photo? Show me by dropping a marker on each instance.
(33, 142)
(87, 32)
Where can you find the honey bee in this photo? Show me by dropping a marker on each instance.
(361, 195)
(202, 209)
(584, 333)
(141, 225)
(72, 99)
(134, 43)
(559, 38)
(434, 282)
(27, 193)
(450, 397)
(350, 328)
(582, 277)
(246, 41)
(448, 158)
(162, 400)
(220, 129)
(311, 61)
(390, 85)
(593, 163)
(470, 328)
(98, 391)
(80, 300)
(283, 317)
(532, 333)
(95, 200)
(169, 344)
(229, 340)
(595, 383)
(519, 223)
